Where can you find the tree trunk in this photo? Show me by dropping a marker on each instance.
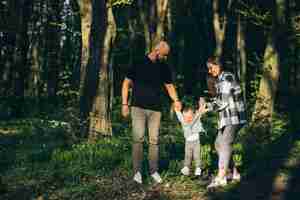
(220, 24)
(241, 54)
(85, 7)
(7, 65)
(154, 17)
(264, 106)
(143, 8)
(53, 46)
(33, 80)
(20, 57)
(95, 101)
(100, 115)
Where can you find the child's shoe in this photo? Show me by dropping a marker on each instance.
(198, 171)
(185, 171)
(156, 177)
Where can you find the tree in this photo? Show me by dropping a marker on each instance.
(53, 46)
(85, 7)
(268, 87)
(153, 16)
(241, 58)
(220, 22)
(95, 101)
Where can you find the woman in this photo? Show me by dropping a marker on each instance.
(231, 110)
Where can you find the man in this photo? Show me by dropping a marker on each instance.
(230, 107)
(146, 78)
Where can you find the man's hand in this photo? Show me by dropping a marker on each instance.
(177, 106)
(125, 110)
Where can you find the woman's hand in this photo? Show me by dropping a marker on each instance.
(202, 108)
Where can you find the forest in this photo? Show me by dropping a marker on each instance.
(62, 64)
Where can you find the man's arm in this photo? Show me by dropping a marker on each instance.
(173, 95)
(127, 83)
(172, 91)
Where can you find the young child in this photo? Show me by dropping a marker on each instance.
(192, 126)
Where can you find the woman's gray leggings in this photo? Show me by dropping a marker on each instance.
(223, 145)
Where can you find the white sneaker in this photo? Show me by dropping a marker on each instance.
(198, 171)
(156, 177)
(138, 178)
(185, 171)
(236, 177)
(217, 182)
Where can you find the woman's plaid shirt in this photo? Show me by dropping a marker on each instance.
(228, 101)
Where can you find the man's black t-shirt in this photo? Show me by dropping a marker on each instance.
(148, 78)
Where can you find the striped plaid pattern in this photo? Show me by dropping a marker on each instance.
(229, 101)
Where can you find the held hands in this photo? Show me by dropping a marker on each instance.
(177, 106)
(202, 106)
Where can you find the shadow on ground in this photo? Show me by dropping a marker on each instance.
(275, 176)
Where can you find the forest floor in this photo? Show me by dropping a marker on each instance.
(34, 164)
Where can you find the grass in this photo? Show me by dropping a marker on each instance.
(39, 159)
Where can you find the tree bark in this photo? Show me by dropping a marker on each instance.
(33, 76)
(264, 105)
(85, 7)
(154, 17)
(20, 70)
(95, 101)
(241, 54)
(220, 24)
(53, 46)
(100, 115)
(32, 89)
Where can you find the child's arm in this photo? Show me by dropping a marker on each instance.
(203, 106)
(196, 117)
(179, 116)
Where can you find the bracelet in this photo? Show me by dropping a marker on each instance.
(124, 104)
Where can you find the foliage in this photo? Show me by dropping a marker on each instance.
(42, 150)
(121, 2)
(41, 154)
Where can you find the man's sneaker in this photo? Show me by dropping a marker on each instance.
(138, 178)
(198, 171)
(217, 182)
(185, 171)
(156, 177)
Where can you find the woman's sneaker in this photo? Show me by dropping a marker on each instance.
(198, 171)
(138, 178)
(236, 177)
(218, 182)
(185, 171)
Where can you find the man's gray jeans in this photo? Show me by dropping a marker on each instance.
(192, 152)
(140, 118)
(223, 145)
